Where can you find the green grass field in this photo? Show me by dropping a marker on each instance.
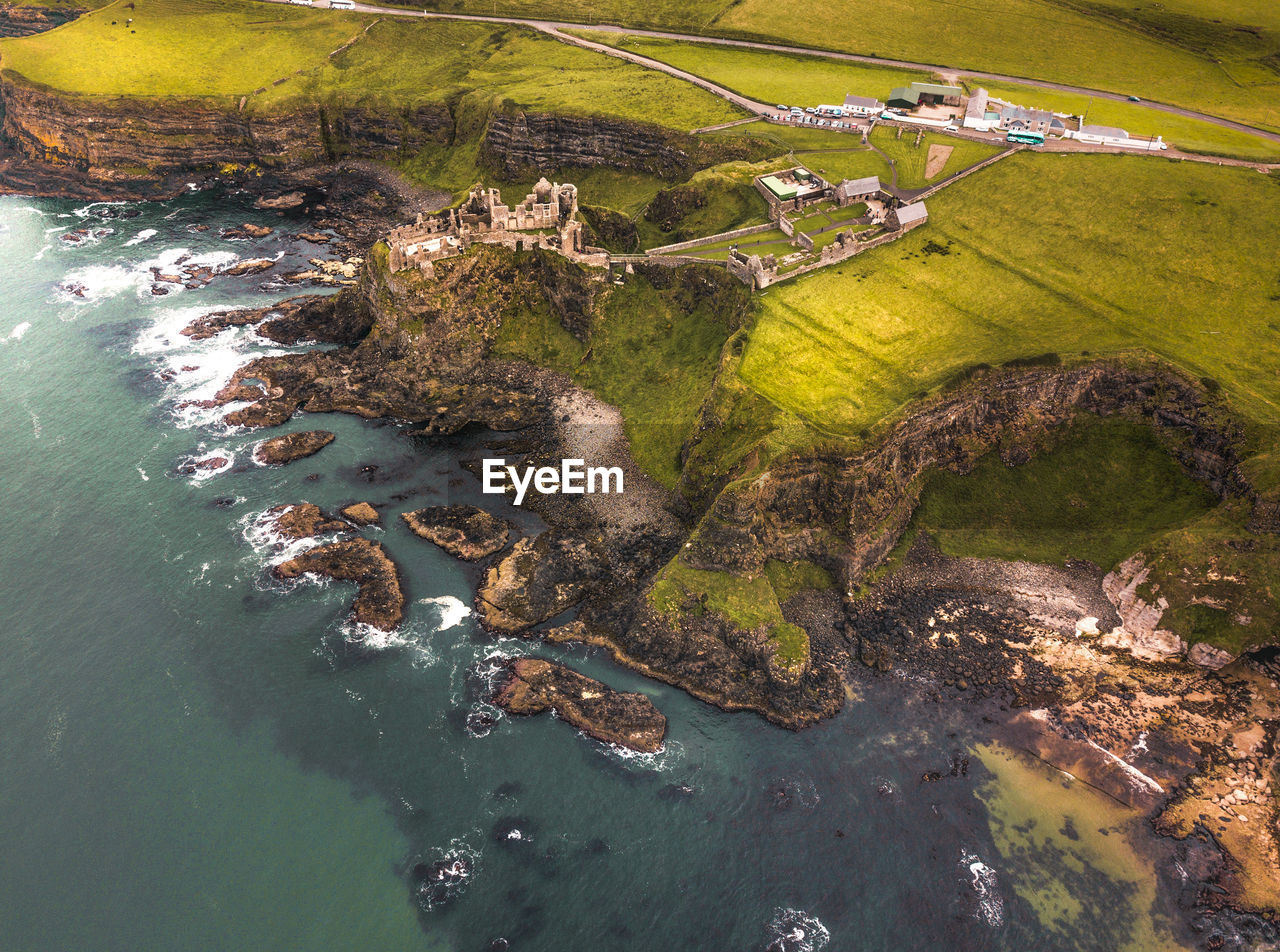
(1102, 493)
(911, 159)
(1067, 253)
(228, 48)
(1216, 57)
(1192, 135)
(789, 79)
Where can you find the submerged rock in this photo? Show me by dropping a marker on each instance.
(628, 720)
(380, 600)
(465, 532)
(292, 446)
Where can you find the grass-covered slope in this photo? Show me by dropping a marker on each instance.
(279, 55)
(1078, 255)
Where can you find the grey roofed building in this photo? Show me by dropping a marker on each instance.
(1019, 113)
(908, 215)
(863, 103)
(851, 190)
(977, 107)
(1109, 132)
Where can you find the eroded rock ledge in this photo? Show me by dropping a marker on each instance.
(465, 532)
(279, 450)
(379, 599)
(533, 685)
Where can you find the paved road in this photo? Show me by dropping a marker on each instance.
(557, 30)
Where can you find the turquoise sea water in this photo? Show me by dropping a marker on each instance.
(195, 758)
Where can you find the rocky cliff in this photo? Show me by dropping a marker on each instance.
(127, 141)
(19, 20)
(858, 506)
(518, 143)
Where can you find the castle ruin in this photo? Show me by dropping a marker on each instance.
(546, 219)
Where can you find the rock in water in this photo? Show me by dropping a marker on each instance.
(292, 446)
(304, 520)
(465, 532)
(534, 685)
(379, 601)
(361, 513)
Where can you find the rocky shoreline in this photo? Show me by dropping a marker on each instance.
(1054, 655)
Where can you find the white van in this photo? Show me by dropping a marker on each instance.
(342, 4)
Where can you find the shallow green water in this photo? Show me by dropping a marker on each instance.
(194, 758)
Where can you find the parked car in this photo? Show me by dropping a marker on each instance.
(810, 110)
(1134, 99)
(781, 108)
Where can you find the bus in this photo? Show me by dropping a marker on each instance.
(1026, 138)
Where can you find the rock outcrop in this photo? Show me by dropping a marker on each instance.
(533, 686)
(361, 513)
(304, 520)
(379, 598)
(465, 532)
(280, 450)
(17, 19)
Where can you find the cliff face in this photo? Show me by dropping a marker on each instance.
(18, 20)
(863, 503)
(517, 143)
(122, 140)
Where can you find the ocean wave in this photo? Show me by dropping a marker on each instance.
(794, 930)
(17, 332)
(84, 211)
(145, 235)
(99, 282)
(205, 464)
(452, 610)
(982, 878)
(441, 876)
(195, 370)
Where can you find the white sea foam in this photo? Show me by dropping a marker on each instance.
(225, 459)
(985, 887)
(197, 369)
(143, 473)
(452, 610)
(39, 256)
(100, 282)
(144, 235)
(84, 211)
(794, 930)
(17, 332)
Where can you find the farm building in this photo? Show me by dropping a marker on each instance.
(907, 217)
(857, 190)
(918, 94)
(862, 105)
(903, 97)
(1019, 119)
(976, 114)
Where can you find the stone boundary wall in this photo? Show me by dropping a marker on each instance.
(711, 239)
(787, 228)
